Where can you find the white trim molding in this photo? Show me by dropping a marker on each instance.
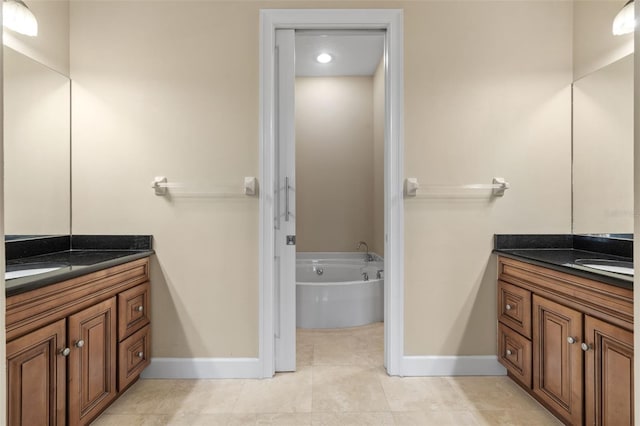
(202, 368)
(249, 368)
(390, 20)
(417, 366)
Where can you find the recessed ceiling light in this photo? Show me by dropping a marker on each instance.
(324, 58)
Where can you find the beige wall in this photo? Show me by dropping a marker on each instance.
(378, 159)
(594, 46)
(334, 163)
(493, 100)
(51, 46)
(159, 89)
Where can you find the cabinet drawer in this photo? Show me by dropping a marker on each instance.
(133, 310)
(134, 355)
(514, 308)
(514, 352)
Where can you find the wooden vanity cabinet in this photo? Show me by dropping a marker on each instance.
(134, 334)
(608, 374)
(515, 308)
(36, 377)
(514, 352)
(557, 358)
(92, 361)
(63, 345)
(579, 354)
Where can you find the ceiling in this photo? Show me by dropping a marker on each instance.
(355, 53)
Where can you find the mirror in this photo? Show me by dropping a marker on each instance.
(37, 148)
(603, 151)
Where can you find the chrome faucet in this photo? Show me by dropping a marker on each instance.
(379, 273)
(365, 276)
(368, 256)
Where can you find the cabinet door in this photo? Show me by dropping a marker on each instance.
(608, 374)
(36, 377)
(92, 362)
(558, 358)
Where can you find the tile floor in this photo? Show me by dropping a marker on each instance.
(340, 381)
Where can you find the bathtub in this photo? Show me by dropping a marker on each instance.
(332, 293)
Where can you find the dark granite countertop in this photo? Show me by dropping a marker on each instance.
(560, 252)
(83, 255)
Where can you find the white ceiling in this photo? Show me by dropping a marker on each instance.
(354, 53)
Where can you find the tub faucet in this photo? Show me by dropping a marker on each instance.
(365, 276)
(379, 273)
(368, 257)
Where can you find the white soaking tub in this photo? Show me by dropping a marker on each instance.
(337, 290)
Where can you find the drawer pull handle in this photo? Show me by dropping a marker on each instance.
(79, 343)
(140, 308)
(585, 347)
(140, 355)
(508, 307)
(571, 340)
(509, 352)
(65, 352)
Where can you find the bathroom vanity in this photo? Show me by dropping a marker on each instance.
(78, 326)
(565, 333)
(77, 336)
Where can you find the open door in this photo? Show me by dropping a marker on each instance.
(285, 203)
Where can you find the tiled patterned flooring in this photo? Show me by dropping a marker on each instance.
(340, 381)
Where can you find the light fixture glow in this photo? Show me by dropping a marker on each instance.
(625, 20)
(17, 17)
(324, 58)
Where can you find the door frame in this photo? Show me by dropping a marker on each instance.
(390, 20)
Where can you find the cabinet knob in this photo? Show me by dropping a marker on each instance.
(140, 355)
(79, 343)
(140, 308)
(509, 352)
(585, 347)
(65, 352)
(508, 307)
(571, 340)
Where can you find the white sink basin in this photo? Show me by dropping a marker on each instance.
(28, 272)
(617, 266)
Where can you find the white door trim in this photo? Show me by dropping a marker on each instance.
(392, 21)
(285, 179)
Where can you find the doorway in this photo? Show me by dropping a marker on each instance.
(278, 192)
(339, 191)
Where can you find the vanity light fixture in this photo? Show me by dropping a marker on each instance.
(324, 58)
(625, 20)
(17, 17)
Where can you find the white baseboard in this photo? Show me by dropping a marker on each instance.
(452, 366)
(250, 368)
(203, 368)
